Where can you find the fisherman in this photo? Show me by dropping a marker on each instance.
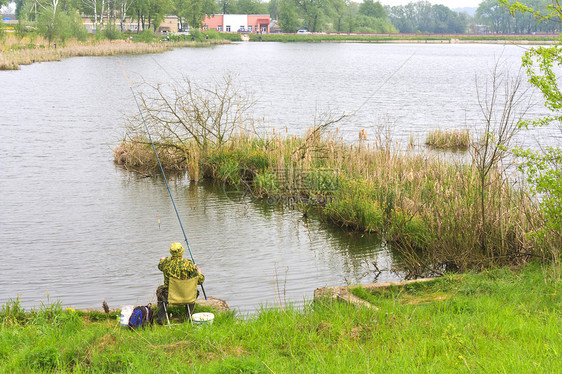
(175, 267)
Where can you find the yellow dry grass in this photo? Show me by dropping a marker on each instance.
(25, 52)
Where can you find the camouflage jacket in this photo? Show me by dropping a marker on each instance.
(178, 267)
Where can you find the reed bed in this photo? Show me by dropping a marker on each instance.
(13, 58)
(428, 207)
(456, 139)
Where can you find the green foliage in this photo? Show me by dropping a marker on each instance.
(544, 167)
(424, 17)
(194, 11)
(212, 34)
(12, 313)
(146, 36)
(235, 37)
(20, 30)
(288, 16)
(513, 17)
(266, 183)
(371, 9)
(196, 35)
(111, 32)
(59, 24)
(251, 7)
(313, 12)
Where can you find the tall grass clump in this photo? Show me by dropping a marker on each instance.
(455, 139)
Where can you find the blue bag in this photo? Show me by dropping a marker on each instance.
(142, 316)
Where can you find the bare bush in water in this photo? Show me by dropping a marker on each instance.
(184, 112)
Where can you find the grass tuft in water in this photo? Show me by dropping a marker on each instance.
(455, 139)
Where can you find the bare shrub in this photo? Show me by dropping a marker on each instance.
(183, 112)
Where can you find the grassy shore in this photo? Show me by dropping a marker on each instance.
(497, 321)
(426, 206)
(400, 38)
(17, 53)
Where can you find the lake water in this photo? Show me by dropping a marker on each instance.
(75, 227)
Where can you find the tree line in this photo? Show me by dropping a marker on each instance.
(347, 16)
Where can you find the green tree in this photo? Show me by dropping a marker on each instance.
(490, 13)
(401, 19)
(313, 12)
(273, 8)
(194, 11)
(424, 17)
(141, 10)
(499, 19)
(544, 167)
(226, 6)
(251, 7)
(339, 8)
(54, 23)
(288, 16)
(157, 11)
(373, 9)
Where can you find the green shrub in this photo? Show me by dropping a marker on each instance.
(212, 34)
(235, 37)
(196, 35)
(112, 33)
(146, 36)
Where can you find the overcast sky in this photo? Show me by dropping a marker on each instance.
(449, 3)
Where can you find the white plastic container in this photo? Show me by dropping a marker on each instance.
(203, 318)
(126, 312)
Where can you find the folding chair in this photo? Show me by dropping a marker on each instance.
(181, 292)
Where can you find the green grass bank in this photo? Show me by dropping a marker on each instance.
(396, 38)
(497, 321)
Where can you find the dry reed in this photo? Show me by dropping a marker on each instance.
(456, 139)
(15, 55)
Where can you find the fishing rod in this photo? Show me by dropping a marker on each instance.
(161, 169)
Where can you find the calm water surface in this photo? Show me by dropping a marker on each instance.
(75, 227)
